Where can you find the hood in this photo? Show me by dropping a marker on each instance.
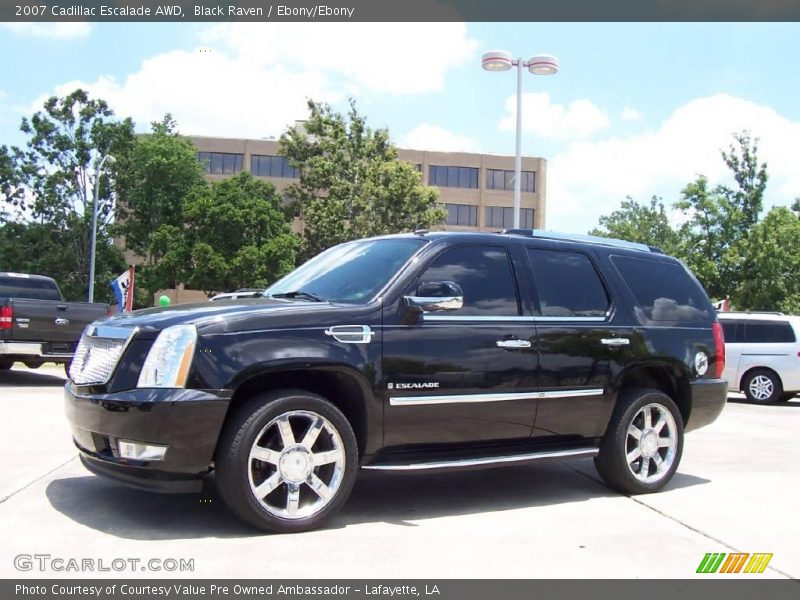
(217, 314)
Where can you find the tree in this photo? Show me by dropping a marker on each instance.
(155, 178)
(153, 181)
(234, 235)
(352, 184)
(639, 222)
(49, 186)
(773, 264)
(719, 221)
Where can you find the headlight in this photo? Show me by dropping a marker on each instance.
(168, 362)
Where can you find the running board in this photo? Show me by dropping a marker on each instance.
(486, 461)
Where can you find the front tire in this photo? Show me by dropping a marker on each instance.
(762, 386)
(643, 444)
(286, 461)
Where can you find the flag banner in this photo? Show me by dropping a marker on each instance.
(123, 290)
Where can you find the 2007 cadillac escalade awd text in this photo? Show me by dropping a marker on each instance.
(415, 352)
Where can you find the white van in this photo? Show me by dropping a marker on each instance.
(762, 355)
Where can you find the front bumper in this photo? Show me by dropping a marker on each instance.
(188, 422)
(709, 397)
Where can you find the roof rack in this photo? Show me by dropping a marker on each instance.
(587, 239)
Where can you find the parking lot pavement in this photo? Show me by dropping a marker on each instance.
(736, 490)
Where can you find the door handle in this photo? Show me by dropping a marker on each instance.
(61, 306)
(615, 341)
(513, 344)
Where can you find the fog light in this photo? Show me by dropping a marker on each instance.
(140, 451)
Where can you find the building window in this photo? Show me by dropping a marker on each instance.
(462, 214)
(263, 165)
(500, 179)
(221, 163)
(502, 217)
(461, 177)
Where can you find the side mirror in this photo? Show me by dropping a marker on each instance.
(437, 296)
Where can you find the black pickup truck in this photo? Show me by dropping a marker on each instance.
(416, 352)
(36, 324)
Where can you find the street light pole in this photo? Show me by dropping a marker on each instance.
(518, 151)
(93, 244)
(543, 64)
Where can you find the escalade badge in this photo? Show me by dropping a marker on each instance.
(431, 385)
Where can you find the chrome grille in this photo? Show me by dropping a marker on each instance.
(98, 353)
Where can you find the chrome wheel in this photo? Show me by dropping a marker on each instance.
(296, 464)
(651, 443)
(761, 387)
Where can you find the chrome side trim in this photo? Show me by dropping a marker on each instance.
(570, 319)
(530, 319)
(501, 397)
(488, 460)
(456, 318)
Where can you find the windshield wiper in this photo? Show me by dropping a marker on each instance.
(299, 294)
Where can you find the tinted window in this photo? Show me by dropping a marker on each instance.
(664, 291)
(501, 179)
(502, 217)
(485, 276)
(567, 284)
(463, 177)
(220, 163)
(265, 165)
(733, 331)
(26, 287)
(766, 332)
(462, 214)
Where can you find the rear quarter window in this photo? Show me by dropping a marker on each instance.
(664, 291)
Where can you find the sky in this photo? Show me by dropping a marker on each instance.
(636, 109)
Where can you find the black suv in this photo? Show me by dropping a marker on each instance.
(417, 352)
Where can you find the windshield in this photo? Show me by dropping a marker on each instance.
(353, 272)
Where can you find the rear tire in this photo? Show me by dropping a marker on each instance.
(762, 386)
(286, 461)
(643, 444)
(6, 364)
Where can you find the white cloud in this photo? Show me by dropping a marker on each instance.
(432, 137)
(591, 178)
(393, 58)
(252, 80)
(209, 93)
(59, 31)
(579, 120)
(630, 114)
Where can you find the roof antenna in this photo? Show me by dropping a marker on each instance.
(420, 230)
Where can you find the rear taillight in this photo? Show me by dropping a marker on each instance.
(6, 317)
(719, 346)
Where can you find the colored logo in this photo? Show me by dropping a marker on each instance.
(736, 562)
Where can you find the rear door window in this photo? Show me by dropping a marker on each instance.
(567, 284)
(664, 291)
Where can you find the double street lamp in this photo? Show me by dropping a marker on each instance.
(543, 64)
(93, 246)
